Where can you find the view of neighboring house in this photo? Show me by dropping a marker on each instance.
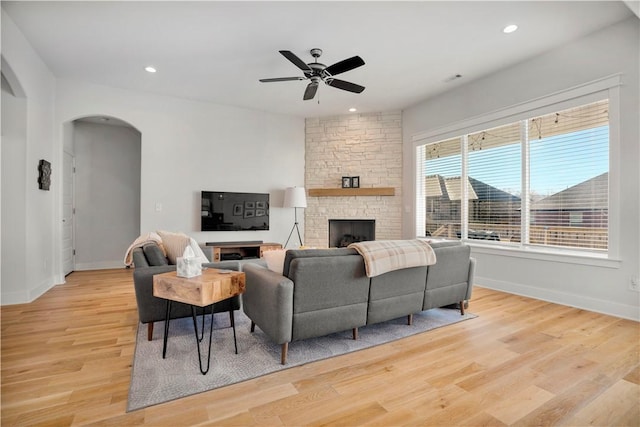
(487, 205)
(576, 217)
(583, 205)
(494, 214)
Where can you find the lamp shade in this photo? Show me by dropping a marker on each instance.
(295, 197)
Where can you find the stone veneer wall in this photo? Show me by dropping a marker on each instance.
(364, 145)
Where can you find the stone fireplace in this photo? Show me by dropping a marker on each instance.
(342, 232)
(365, 145)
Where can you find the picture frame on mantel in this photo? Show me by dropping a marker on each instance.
(355, 182)
(346, 182)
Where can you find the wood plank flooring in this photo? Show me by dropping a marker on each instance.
(66, 360)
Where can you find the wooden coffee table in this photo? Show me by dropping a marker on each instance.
(211, 286)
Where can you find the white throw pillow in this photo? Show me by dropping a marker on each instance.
(174, 244)
(275, 259)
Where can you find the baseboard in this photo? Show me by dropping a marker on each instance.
(39, 290)
(27, 296)
(102, 265)
(578, 301)
(10, 298)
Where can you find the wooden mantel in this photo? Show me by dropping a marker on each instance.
(339, 192)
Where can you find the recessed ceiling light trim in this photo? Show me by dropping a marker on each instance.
(510, 28)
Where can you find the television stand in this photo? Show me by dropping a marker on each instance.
(253, 249)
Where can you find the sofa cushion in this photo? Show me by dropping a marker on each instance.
(174, 244)
(154, 255)
(292, 254)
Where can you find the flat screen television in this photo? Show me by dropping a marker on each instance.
(228, 211)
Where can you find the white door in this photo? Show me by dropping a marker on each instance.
(68, 253)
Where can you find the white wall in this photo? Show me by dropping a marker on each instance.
(32, 240)
(610, 51)
(14, 152)
(107, 193)
(190, 146)
(187, 147)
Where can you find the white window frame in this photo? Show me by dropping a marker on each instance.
(607, 87)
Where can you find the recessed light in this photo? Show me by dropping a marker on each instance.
(510, 28)
(150, 69)
(353, 109)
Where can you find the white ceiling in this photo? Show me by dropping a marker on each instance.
(216, 51)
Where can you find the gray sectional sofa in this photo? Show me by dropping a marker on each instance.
(149, 260)
(322, 291)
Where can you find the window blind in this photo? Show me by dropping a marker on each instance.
(565, 190)
(494, 173)
(440, 172)
(569, 180)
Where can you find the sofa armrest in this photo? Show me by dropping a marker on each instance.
(268, 302)
(207, 250)
(138, 257)
(150, 308)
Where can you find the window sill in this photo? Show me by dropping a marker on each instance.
(547, 254)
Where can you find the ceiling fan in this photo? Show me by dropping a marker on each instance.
(317, 72)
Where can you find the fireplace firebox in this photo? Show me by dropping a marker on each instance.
(343, 232)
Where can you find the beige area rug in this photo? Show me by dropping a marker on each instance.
(155, 380)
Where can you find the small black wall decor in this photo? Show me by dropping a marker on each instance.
(44, 175)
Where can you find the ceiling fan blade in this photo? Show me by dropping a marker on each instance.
(281, 79)
(341, 84)
(310, 91)
(295, 60)
(343, 66)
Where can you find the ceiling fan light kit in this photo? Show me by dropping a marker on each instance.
(318, 72)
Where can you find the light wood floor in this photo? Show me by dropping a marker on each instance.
(66, 360)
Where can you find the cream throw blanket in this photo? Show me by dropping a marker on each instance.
(382, 256)
(169, 247)
(140, 242)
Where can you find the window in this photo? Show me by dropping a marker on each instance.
(494, 176)
(539, 181)
(441, 189)
(569, 158)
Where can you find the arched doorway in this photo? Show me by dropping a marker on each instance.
(101, 194)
